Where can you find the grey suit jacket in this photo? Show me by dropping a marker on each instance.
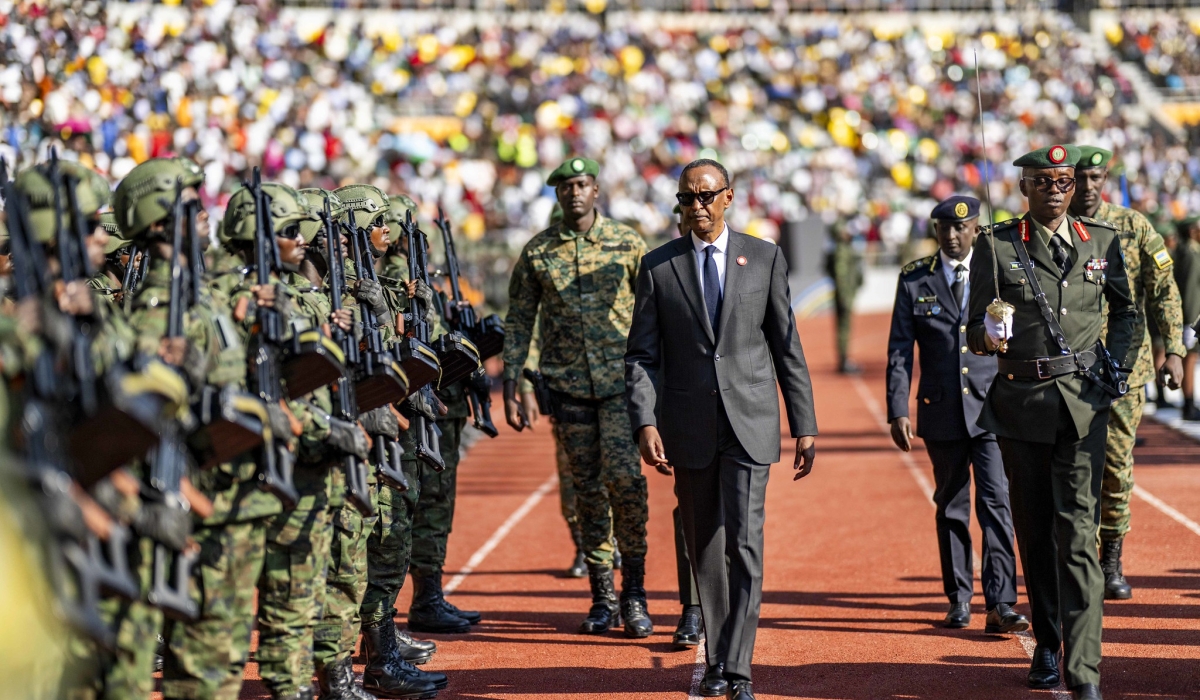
(679, 370)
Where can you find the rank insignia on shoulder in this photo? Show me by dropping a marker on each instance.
(1163, 259)
(915, 265)
(1096, 264)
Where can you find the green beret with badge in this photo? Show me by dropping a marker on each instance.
(1056, 156)
(1092, 157)
(367, 204)
(147, 194)
(288, 208)
(573, 168)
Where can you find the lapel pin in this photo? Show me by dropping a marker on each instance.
(741, 260)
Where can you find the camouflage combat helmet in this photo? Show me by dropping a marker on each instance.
(365, 202)
(398, 205)
(34, 183)
(116, 240)
(287, 208)
(147, 193)
(315, 197)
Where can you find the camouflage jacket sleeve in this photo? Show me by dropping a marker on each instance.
(524, 297)
(535, 354)
(1163, 302)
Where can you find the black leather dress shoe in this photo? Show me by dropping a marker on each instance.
(1087, 691)
(958, 617)
(687, 634)
(741, 690)
(714, 685)
(1002, 619)
(1043, 672)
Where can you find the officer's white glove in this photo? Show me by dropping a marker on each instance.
(999, 330)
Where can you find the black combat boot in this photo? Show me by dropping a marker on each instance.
(1189, 412)
(633, 598)
(1115, 585)
(578, 568)
(302, 694)
(428, 612)
(414, 651)
(604, 614)
(335, 681)
(388, 675)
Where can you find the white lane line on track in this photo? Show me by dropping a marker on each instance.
(500, 533)
(1166, 509)
(698, 670)
(1025, 638)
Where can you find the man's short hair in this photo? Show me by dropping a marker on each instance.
(706, 163)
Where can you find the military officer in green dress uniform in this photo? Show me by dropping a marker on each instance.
(844, 265)
(1049, 405)
(1148, 266)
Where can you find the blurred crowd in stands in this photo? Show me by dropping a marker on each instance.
(1166, 44)
(832, 117)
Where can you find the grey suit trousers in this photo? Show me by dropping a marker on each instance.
(722, 508)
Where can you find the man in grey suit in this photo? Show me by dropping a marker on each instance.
(712, 332)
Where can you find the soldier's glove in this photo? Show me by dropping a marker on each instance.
(425, 293)
(370, 292)
(480, 382)
(281, 425)
(348, 438)
(418, 404)
(381, 421)
(999, 330)
(167, 525)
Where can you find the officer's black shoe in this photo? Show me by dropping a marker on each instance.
(958, 617)
(428, 612)
(1002, 619)
(386, 674)
(849, 367)
(578, 568)
(714, 685)
(1115, 585)
(1043, 672)
(633, 599)
(604, 613)
(741, 690)
(1189, 412)
(335, 681)
(1087, 691)
(687, 633)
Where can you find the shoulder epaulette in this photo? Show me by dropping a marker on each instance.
(1007, 223)
(918, 264)
(1097, 222)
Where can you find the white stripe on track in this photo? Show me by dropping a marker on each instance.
(1025, 638)
(1166, 509)
(500, 533)
(698, 670)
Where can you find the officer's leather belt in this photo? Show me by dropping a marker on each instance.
(1046, 367)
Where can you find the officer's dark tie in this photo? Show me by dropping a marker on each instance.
(712, 287)
(960, 284)
(1059, 252)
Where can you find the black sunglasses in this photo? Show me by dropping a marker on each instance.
(1045, 184)
(706, 198)
(291, 231)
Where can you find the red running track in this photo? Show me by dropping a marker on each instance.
(852, 596)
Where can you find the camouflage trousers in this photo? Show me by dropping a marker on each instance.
(610, 490)
(297, 557)
(434, 513)
(566, 493)
(1117, 488)
(389, 546)
(844, 313)
(205, 658)
(336, 631)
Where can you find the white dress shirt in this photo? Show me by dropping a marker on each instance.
(948, 266)
(722, 244)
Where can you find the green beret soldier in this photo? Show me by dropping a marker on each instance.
(1049, 404)
(1149, 267)
(579, 276)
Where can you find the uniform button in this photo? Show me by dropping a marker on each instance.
(964, 350)
(964, 370)
(717, 358)
(713, 392)
(926, 400)
(1064, 283)
(966, 390)
(153, 301)
(962, 329)
(1022, 280)
(1063, 311)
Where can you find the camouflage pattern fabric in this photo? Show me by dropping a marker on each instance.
(609, 486)
(1149, 267)
(205, 658)
(336, 632)
(1187, 276)
(434, 512)
(583, 284)
(389, 546)
(566, 492)
(130, 674)
(844, 265)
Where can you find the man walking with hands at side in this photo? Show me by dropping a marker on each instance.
(713, 330)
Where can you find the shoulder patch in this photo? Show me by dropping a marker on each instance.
(918, 265)
(1163, 259)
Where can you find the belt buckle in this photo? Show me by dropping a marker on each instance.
(1039, 364)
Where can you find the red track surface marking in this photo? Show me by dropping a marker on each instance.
(852, 595)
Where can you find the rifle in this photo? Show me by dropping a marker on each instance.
(345, 403)
(461, 317)
(381, 380)
(266, 350)
(428, 433)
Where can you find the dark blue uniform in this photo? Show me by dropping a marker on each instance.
(950, 394)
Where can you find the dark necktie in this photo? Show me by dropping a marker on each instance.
(1059, 252)
(712, 287)
(960, 284)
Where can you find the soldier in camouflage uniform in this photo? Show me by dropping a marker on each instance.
(580, 275)
(205, 657)
(1187, 276)
(1148, 266)
(845, 266)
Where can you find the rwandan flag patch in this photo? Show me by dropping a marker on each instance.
(1163, 259)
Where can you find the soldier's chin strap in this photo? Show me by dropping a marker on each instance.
(1056, 330)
